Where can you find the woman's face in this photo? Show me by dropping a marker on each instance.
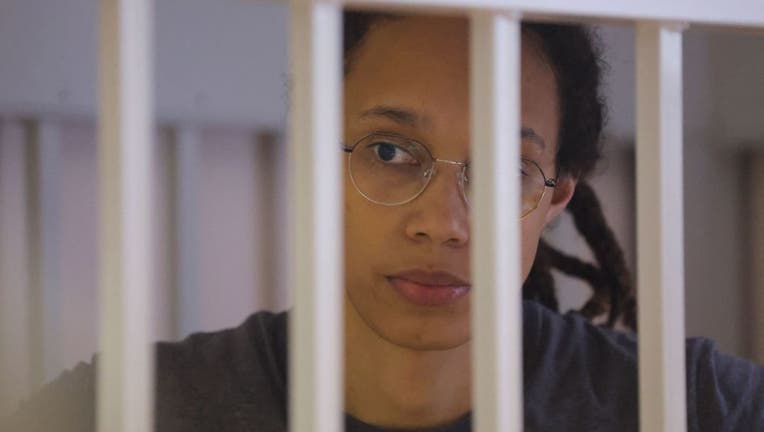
(411, 77)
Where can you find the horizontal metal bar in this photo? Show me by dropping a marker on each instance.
(738, 13)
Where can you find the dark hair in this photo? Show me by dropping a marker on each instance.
(575, 57)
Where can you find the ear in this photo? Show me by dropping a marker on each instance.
(563, 192)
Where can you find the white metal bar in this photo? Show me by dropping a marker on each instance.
(496, 303)
(125, 368)
(188, 208)
(660, 228)
(744, 13)
(316, 341)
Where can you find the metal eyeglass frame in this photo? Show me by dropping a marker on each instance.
(548, 182)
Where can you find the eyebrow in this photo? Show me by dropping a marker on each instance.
(407, 117)
(402, 116)
(530, 134)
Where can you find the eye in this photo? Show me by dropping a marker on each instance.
(392, 153)
(525, 170)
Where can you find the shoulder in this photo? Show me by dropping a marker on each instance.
(262, 336)
(590, 369)
(224, 380)
(578, 376)
(565, 335)
(200, 381)
(723, 392)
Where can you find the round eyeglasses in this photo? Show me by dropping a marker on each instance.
(391, 170)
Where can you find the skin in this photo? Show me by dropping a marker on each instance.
(408, 366)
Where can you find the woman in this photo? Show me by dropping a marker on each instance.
(407, 304)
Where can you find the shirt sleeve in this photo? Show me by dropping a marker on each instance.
(230, 380)
(577, 377)
(587, 376)
(724, 393)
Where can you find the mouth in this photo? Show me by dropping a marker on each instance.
(424, 288)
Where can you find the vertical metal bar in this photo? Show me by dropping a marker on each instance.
(266, 184)
(660, 228)
(187, 190)
(125, 368)
(35, 319)
(316, 341)
(20, 353)
(756, 224)
(48, 180)
(496, 303)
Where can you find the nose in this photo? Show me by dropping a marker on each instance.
(439, 215)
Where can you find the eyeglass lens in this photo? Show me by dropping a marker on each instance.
(392, 170)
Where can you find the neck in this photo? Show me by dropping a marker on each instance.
(396, 387)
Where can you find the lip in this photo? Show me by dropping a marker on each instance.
(426, 288)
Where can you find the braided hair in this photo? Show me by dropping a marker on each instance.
(575, 57)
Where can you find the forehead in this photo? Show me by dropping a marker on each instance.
(421, 63)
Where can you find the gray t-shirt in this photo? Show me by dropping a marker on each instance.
(577, 377)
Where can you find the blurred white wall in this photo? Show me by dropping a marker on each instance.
(220, 84)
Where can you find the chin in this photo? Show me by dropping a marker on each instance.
(426, 336)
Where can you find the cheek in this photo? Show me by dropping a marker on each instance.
(531, 228)
(355, 219)
(367, 229)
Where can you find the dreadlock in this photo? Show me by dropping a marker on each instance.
(575, 57)
(611, 282)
